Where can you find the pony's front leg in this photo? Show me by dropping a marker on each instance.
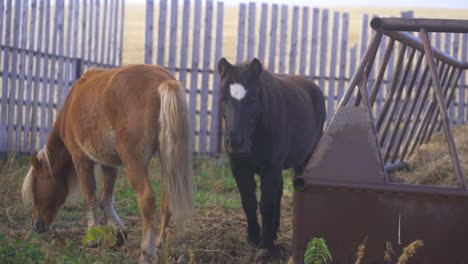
(270, 207)
(85, 172)
(165, 216)
(245, 180)
(109, 176)
(138, 176)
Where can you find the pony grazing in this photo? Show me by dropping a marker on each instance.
(272, 122)
(115, 117)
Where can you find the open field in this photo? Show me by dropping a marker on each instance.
(217, 234)
(134, 32)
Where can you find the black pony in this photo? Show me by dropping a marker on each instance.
(272, 122)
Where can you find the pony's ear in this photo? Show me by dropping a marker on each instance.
(224, 66)
(35, 161)
(256, 67)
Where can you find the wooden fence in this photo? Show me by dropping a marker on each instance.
(42, 54)
(191, 53)
(302, 40)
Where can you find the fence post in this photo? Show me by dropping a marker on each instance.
(149, 32)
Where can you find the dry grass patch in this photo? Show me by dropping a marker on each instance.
(431, 162)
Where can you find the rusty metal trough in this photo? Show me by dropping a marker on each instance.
(344, 194)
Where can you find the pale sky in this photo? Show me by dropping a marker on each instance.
(397, 3)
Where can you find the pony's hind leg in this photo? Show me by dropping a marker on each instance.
(165, 216)
(137, 172)
(109, 176)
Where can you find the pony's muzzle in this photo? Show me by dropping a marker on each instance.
(40, 226)
(236, 144)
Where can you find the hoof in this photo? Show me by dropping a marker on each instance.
(253, 240)
(121, 238)
(161, 242)
(145, 258)
(94, 244)
(267, 253)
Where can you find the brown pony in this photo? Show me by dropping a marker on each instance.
(115, 117)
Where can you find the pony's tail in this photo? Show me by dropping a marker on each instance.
(175, 152)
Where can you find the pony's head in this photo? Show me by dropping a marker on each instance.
(240, 102)
(43, 192)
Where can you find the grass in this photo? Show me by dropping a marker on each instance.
(216, 233)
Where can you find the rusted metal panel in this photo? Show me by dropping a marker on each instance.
(346, 216)
(350, 140)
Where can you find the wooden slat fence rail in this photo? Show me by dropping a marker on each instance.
(44, 47)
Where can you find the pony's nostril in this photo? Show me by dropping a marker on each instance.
(228, 141)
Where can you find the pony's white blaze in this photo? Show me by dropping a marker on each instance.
(237, 91)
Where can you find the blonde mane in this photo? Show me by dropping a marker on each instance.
(26, 190)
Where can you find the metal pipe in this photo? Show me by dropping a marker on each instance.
(397, 166)
(416, 43)
(410, 113)
(418, 114)
(416, 24)
(372, 48)
(367, 71)
(403, 107)
(450, 96)
(383, 67)
(433, 109)
(398, 97)
(435, 117)
(396, 75)
(443, 109)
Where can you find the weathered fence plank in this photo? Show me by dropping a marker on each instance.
(215, 136)
(184, 43)
(195, 64)
(121, 34)
(161, 31)
(332, 73)
(13, 81)
(294, 47)
(91, 29)
(241, 34)
(463, 102)
(205, 77)
(343, 53)
(251, 31)
(314, 44)
(148, 31)
(262, 35)
(323, 55)
(283, 38)
(103, 33)
(114, 34)
(21, 78)
(304, 44)
(35, 113)
(29, 92)
(173, 36)
(272, 51)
